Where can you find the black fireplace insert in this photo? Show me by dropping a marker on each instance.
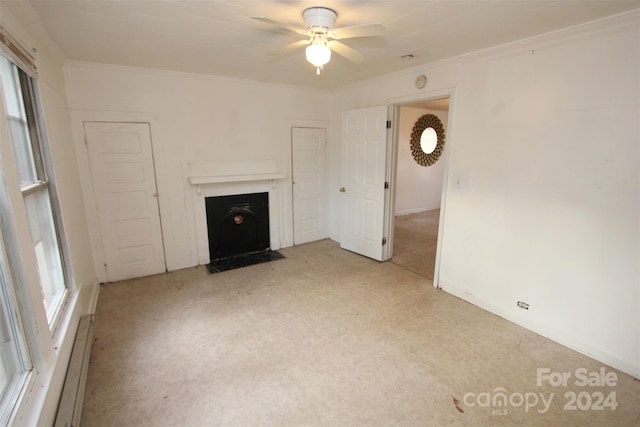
(238, 229)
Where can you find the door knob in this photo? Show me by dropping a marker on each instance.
(342, 190)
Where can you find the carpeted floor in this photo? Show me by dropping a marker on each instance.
(322, 337)
(415, 239)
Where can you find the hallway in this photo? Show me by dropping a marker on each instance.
(415, 240)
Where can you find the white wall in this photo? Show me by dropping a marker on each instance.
(195, 118)
(50, 350)
(418, 188)
(542, 194)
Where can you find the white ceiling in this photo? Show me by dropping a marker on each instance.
(219, 38)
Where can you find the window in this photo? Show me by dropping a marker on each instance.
(14, 359)
(26, 137)
(33, 275)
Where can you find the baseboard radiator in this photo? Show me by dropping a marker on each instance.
(70, 406)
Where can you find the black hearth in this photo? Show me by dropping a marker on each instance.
(238, 229)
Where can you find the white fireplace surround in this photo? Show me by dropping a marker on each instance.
(211, 179)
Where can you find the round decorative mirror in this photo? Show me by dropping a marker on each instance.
(427, 140)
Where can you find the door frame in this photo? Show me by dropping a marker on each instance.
(78, 118)
(392, 167)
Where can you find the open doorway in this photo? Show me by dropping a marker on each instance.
(418, 192)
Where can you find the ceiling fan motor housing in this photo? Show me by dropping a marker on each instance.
(319, 19)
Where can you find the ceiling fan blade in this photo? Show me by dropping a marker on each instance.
(344, 50)
(365, 30)
(288, 48)
(279, 24)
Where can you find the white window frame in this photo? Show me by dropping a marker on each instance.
(37, 334)
(41, 183)
(10, 400)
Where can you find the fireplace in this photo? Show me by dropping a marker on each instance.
(210, 180)
(238, 231)
(237, 224)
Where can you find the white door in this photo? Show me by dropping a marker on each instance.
(308, 169)
(364, 154)
(124, 185)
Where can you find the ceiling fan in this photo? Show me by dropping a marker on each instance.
(322, 38)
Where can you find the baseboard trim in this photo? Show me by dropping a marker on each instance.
(70, 406)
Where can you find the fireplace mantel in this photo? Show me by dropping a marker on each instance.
(199, 180)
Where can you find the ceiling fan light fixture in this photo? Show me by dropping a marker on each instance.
(323, 37)
(318, 53)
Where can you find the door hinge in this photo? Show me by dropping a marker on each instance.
(386, 185)
(388, 124)
(384, 241)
